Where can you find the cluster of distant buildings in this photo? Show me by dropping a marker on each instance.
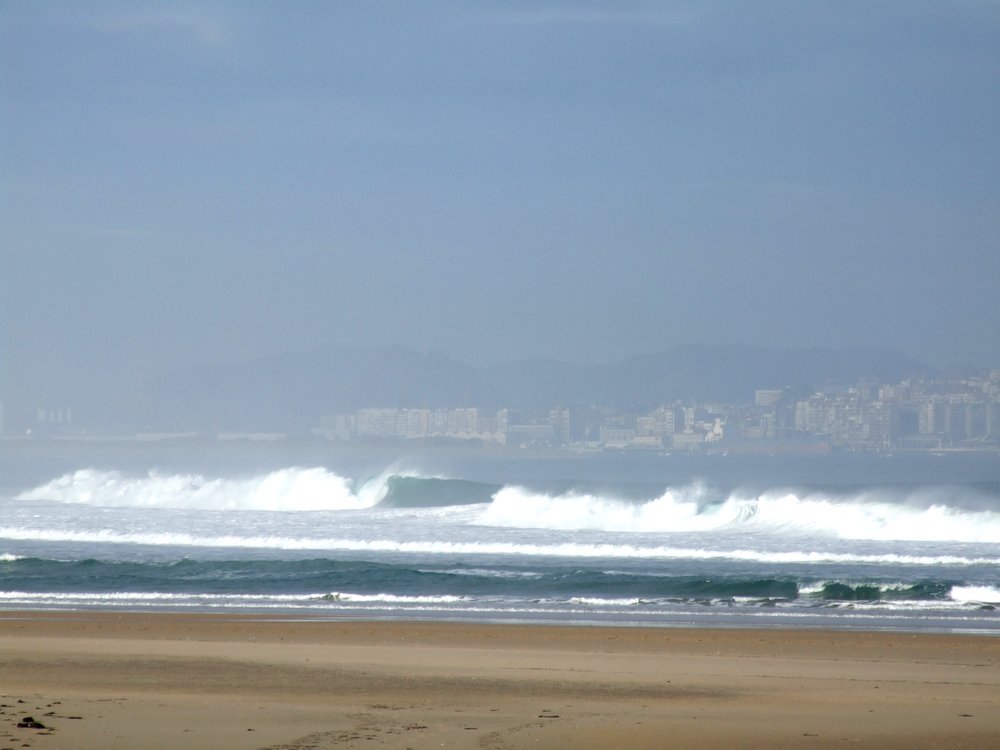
(933, 415)
(869, 416)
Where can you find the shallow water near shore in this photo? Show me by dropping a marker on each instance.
(853, 542)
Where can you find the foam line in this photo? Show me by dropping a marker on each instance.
(566, 549)
(866, 516)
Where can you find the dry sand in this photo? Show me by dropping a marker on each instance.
(109, 680)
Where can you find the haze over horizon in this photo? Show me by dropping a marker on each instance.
(185, 183)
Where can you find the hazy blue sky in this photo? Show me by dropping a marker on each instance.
(208, 181)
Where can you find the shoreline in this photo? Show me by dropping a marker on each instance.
(699, 621)
(124, 680)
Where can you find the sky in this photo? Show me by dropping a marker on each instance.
(208, 182)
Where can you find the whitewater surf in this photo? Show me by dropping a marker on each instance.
(536, 546)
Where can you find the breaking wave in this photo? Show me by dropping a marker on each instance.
(983, 594)
(292, 489)
(927, 515)
(693, 508)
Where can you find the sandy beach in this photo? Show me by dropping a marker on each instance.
(113, 680)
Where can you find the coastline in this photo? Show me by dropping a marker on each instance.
(241, 681)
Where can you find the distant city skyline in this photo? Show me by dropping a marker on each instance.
(297, 392)
(870, 415)
(212, 182)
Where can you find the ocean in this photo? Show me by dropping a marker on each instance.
(849, 541)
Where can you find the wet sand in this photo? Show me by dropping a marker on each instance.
(112, 680)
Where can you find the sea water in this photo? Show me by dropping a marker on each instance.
(908, 542)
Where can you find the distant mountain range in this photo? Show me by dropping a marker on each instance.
(290, 392)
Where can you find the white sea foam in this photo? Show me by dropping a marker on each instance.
(292, 489)
(594, 601)
(487, 573)
(436, 547)
(340, 596)
(869, 517)
(147, 596)
(983, 594)
(153, 600)
(289, 489)
(926, 515)
(5, 557)
(681, 509)
(474, 605)
(689, 509)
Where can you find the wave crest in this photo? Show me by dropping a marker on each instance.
(292, 489)
(682, 509)
(925, 515)
(692, 508)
